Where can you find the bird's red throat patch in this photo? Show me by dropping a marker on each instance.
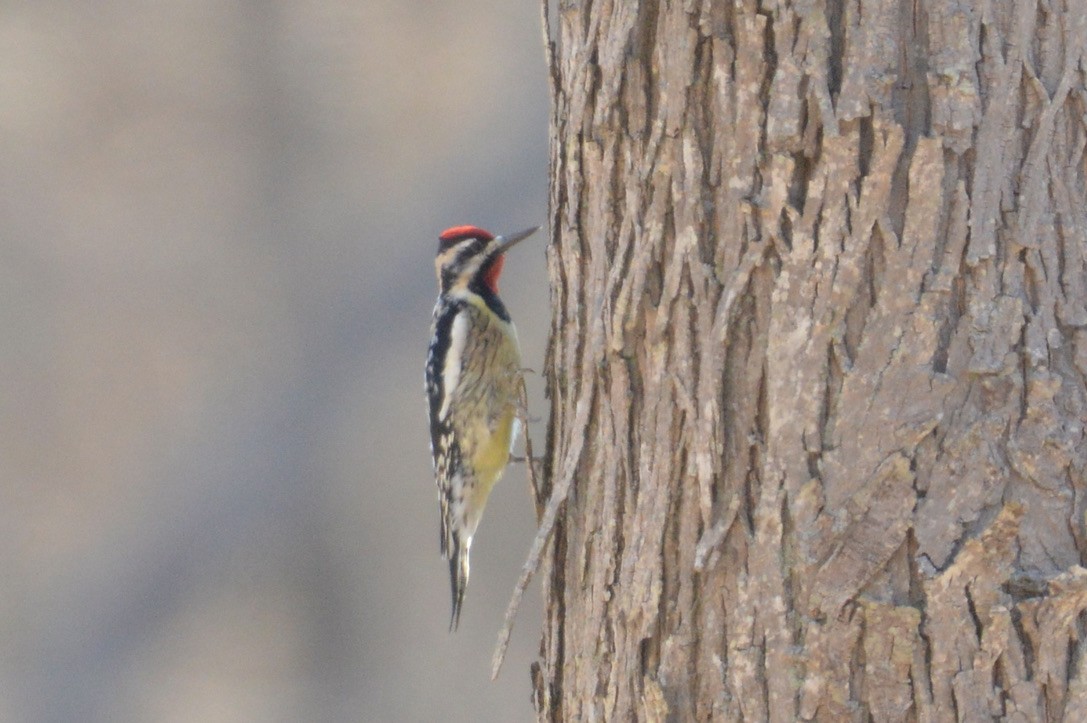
(490, 276)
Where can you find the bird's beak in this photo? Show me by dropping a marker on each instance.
(505, 243)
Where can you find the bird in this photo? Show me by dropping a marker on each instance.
(473, 388)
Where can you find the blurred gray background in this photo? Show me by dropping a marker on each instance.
(217, 227)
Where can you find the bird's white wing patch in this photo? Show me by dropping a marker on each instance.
(458, 337)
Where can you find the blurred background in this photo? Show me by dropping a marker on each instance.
(217, 228)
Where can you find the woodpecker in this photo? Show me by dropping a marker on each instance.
(473, 383)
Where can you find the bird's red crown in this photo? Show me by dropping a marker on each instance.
(459, 233)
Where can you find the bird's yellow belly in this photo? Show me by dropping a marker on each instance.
(492, 454)
(487, 399)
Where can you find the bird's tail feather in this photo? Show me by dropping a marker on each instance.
(458, 575)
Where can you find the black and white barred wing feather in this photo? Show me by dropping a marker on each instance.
(444, 447)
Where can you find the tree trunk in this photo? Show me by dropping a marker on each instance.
(818, 361)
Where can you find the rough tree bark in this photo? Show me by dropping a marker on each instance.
(818, 364)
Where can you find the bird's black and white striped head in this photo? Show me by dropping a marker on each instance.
(469, 257)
